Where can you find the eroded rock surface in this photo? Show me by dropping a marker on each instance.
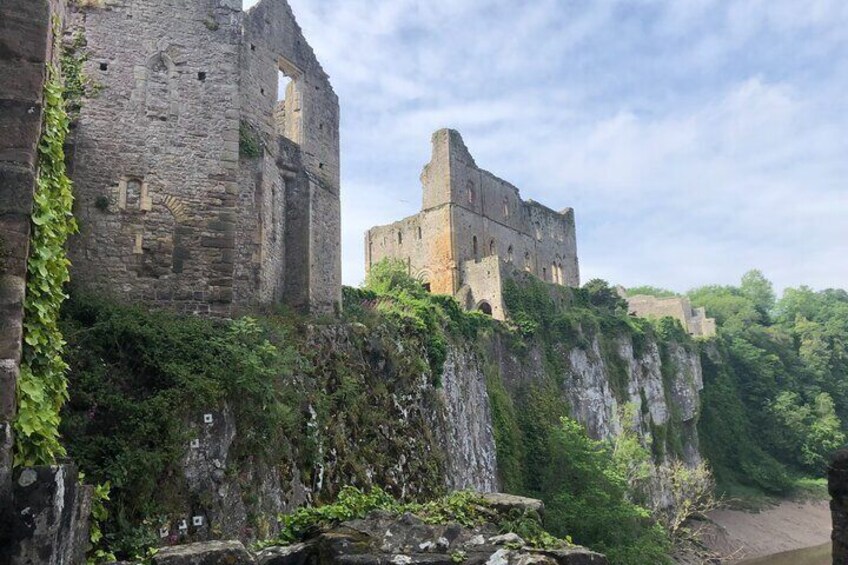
(384, 538)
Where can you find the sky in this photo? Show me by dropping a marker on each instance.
(695, 139)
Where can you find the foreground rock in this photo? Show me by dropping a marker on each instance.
(384, 538)
(838, 487)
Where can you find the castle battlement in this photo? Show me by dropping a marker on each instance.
(474, 228)
(207, 172)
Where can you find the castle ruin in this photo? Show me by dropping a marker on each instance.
(474, 230)
(694, 320)
(207, 171)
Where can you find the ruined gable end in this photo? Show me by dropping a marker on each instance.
(474, 230)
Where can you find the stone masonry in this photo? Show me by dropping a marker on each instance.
(201, 184)
(474, 230)
(26, 46)
(693, 319)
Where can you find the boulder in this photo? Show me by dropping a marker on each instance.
(505, 503)
(205, 553)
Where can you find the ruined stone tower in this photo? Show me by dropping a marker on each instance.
(202, 184)
(474, 230)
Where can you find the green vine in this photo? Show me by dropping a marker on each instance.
(42, 388)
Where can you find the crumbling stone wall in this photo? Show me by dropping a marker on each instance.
(695, 320)
(174, 211)
(300, 132)
(26, 46)
(468, 215)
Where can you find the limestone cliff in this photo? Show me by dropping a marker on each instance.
(441, 437)
(219, 436)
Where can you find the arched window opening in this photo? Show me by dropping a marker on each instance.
(492, 247)
(485, 308)
(544, 274)
(527, 261)
(474, 246)
(470, 192)
(400, 238)
(506, 207)
(509, 254)
(561, 274)
(554, 273)
(419, 232)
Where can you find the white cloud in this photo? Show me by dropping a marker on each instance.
(695, 138)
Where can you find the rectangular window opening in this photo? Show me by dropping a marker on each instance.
(287, 112)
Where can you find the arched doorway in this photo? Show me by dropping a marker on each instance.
(485, 308)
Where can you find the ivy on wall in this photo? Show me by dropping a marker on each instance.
(42, 387)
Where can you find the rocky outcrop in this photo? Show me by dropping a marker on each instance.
(51, 518)
(384, 538)
(469, 439)
(430, 437)
(838, 486)
(653, 390)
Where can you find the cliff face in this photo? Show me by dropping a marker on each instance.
(371, 403)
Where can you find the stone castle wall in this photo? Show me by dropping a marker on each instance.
(26, 47)
(695, 320)
(172, 212)
(469, 215)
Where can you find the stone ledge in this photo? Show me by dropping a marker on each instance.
(205, 553)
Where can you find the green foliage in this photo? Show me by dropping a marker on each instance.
(603, 296)
(351, 504)
(464, 508)
(434, 319)
(327, 413)
(250, 145)
(775, 401)
(759, 290)
(586, 485)
(42, 387)
(138, 376)
(78, 85)
(651, 291)
(815, 431)
(99, 514)
(586, 498)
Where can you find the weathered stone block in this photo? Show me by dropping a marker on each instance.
(12, 289)
(205, 553)
(504, 503)
(8, 385)
(24, 31)
(17, 185)
(11, 332)
(22, 80)
(20, 125)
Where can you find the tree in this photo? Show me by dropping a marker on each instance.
(759, 290)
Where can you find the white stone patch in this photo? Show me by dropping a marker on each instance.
(500, 557)
(208, 419)
(401, 560)
(197, 521)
